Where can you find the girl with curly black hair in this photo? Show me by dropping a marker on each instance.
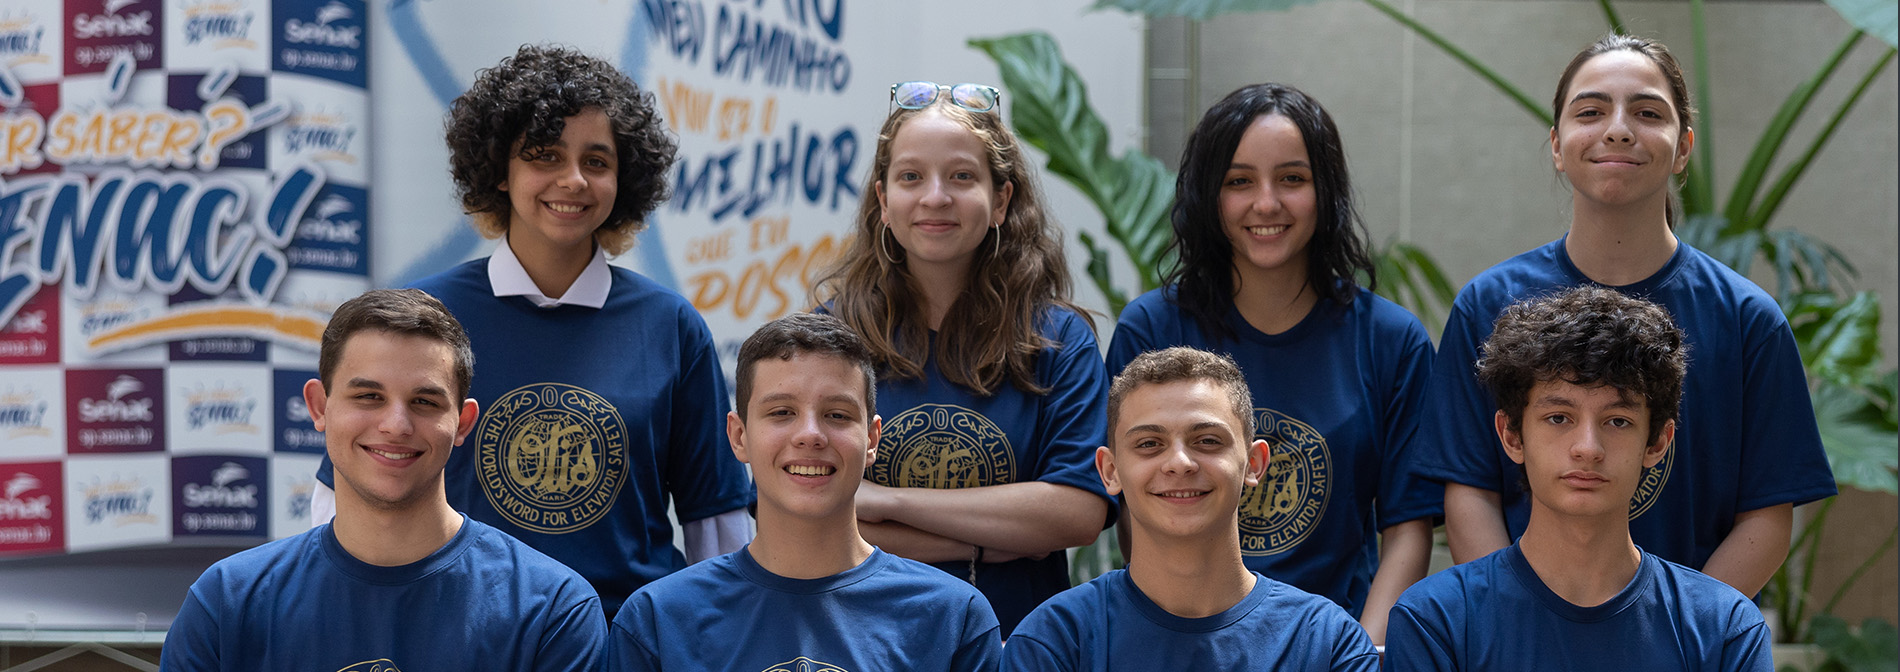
(1269, 250)
(601, 391)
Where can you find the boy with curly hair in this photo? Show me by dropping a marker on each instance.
(1587, 384)
(604, 393)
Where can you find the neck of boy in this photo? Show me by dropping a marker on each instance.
(1190, 578)
(799, 548)
(1273, 300)
(1585, 562)
(940, 285)
(553, 270)
(1619, 246)
(392, 537)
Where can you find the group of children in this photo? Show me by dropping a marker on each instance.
(925, 444)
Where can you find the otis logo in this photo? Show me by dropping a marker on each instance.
(942, 446)
(1651, 487)
(224, 24)
(30, 508)
(115, 411)
(1282, 511)
(17, 506)
(23, 413)
(326, 31)
(553, 457)
(803, 664)
(111, 23)
(228, 504)
(378, 665)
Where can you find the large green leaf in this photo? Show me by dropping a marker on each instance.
(1875, 648)
(1879, 18)
(1408, 276)
(1839, 340)
(1858, 439)
(1049, 108)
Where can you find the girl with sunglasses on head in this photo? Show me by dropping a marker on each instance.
(990, 384)
(1270, 248)
(601, 394)
(1746, 448)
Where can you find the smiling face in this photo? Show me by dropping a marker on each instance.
(389, 419)
(1181, 459)
(1619, 138)
(808, 434)
(1584, 449)
(1268, 206)
(937, 196)
(561, 193)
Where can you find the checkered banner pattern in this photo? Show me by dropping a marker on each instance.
(183, 201)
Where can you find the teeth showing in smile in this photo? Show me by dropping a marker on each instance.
(804, 470)
(393, 456)
(1265, 230)
(1182, 494)
(565, 208)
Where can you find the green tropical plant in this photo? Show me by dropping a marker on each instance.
(1854, 391)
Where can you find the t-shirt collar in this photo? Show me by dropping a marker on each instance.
(506, 277)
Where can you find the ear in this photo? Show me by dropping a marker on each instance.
(465, 422)
(1683, 148)
(1654, 453)
(1259, 456)
(1556, 151)
(314, 398)
(1513, 441)
(877, 430)
(735, 433)
(883, 208)
(1002, 204)
(1105, 466)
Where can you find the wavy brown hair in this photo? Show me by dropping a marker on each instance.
(991, 332)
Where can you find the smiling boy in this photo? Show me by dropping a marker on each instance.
(399, 580)
(808, 592)
(1587, 385)
(1179, 422)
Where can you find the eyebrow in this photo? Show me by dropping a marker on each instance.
(830, 398)
(1624, 401)
(1158, 429)
(422, 390)
(1296, 163)
(1599, 95)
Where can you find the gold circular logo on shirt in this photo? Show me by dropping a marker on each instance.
(1654, 478)
(1282, 511)
(942, 446)
(552, 456)
(803, 664)
(378, 665)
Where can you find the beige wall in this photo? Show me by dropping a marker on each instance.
(1442, 159)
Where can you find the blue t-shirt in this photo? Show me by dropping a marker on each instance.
(1108, 624)
(1745, 439)
(940, 435)
(730, 614)
(1338, 398)
(590, 420)
(483, 601)
(1495, 614)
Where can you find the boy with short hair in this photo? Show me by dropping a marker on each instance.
(808, 592)
(1587, 384)
(1179, 425)
(399, 580)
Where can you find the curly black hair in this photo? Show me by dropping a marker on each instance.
(1203, 272)
(523, 103)
(1586, 336)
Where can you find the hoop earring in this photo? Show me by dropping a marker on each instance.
(881, 252)
(997, 249)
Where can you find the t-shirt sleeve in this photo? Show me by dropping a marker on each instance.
(1133, 336)
(575, 640)
(1403, 494)
(1352, 648)
(702, 475)
(191, 644)
(982, 647)
(1074, 415)
(1411, 643)
(1748, 650)
(627, 651)
(1782, 459)
(1024, 654)
(1457, 442)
